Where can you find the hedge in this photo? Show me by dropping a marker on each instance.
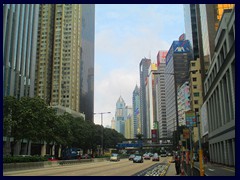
(19, 159)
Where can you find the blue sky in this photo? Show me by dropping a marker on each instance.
(124, 34)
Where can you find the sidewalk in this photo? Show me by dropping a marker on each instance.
(171, 170)
(216, 169)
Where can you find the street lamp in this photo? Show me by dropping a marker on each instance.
(102, 127)
(176, 104)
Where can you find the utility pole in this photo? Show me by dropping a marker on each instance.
(102, 129)
(200, 147)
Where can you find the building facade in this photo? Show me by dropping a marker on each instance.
(143, 69)
(120, 115)
(220, 93)
(151, 100)
(160, 94)
(183, 102)
(20, 22)
(65, 48)
(190, 21)
(136, 111)
(176, 73)
(129, 123)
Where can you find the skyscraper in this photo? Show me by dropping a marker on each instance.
(143, 69)
(65, 56)
(136, 111)
(190, 21)
(160, 95)
(209, 16)
(120, 115)
(20, 23)
(176, 73)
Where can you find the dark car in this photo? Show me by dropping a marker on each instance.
(138, 159)
(155, 157)
(131, 157)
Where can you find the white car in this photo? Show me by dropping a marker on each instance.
(115, 157)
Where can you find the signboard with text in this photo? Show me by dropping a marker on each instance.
(190, 119)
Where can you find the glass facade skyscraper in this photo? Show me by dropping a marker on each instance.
(19, 49)
(143, 69)
(176, 73)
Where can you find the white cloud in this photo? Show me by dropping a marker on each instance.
(121, 41)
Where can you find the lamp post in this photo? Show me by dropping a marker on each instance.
(176, 104)
(102, 128)
(201, 167)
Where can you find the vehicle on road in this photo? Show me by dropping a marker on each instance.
(131, 157)
(115, 157)
(155, 157)
(147, 156)
(169, 154)
(138, 159)
(163, 154)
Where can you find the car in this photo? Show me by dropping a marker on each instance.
(163, 154)
(146, 156)
(169, 154)
(115, 157)
(138, 159)
(155, 157)
(131, 157)
(86, 156)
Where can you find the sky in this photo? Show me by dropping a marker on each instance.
(124, 34)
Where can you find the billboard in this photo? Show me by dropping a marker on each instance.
(190, 119)
(161, 57)
(204, 120)
(178, 47)
(186, 134)
(154, 135)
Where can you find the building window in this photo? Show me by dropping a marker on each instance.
(196, 94)
(194, 79)
(196, 102)
(194, 86)
(193, 64)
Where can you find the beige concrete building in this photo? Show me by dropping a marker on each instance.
(58, 55)
(195, 91)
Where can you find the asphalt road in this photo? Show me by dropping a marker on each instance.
(124, 167)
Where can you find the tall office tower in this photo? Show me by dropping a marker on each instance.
(183, 102)
(120, 115)
(64, 50)
(220, 94)
(160, 94)
(136, 111)
(143, 69)
(113, 124)
(177, 62)
(151, 101)
(129, 122)
(20, 22)
(87, 61)
(208, 17)
(191, 32)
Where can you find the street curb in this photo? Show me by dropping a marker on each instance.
(165, 170)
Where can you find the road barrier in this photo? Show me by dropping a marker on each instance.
(35, 165)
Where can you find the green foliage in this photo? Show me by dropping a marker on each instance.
(21, 159)
(31, 119)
